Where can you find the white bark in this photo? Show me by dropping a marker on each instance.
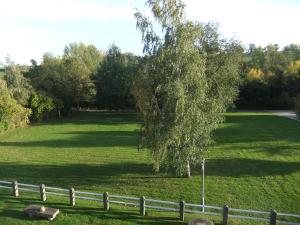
(188, 168)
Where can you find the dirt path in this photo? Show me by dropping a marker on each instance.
(285, 113)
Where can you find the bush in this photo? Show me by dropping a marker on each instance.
(41, 106)
(12, 114)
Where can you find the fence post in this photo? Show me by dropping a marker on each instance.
(142, 206)
(72, 196)
(225, 214)
(106, 201)
(273, 217)
(181, 211)
(43, 192)
(15, 188)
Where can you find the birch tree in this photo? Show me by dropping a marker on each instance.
(189, 78)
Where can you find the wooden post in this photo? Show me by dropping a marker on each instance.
(72, 196)
(106, 201)
(181, 211)
(142, 206)
(273, 217)
(225, 214)
(43, 192)
(15, 188)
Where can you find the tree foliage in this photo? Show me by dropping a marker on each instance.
(41, 105)
(12, 114)
(188, 79)
(18, 85)
(114, 80)
(271, 78)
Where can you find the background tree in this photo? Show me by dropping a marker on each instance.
(88, 55)
(78, 86)
(41, 105)
(266, 80)
(114, 80)
(49, 79)
(188, 79)
(17, 84)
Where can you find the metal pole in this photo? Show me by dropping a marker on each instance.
(203, 186)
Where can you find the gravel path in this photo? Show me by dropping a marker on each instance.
(285, 113)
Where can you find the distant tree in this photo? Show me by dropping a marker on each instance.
(275, 60)
(292, 52)
(293, 69)
(41, 105)
(89, 59)
(188, 80)
(255, 74)
(66, 80)
(78, 85)
(18, 85)
(88, 55)
(266, 84)
(114, 80)
(49, 82)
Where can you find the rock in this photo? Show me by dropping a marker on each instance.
(201, 222)
(41, 211)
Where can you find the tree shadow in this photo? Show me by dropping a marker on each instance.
(133, 173)
(257, 128)
(113, 174)
(128, 214)
(239, 167)
(83, 139)
(98, 118)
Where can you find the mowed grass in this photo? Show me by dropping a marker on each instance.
(255, 164)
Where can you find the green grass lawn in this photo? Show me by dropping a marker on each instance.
(255, 164)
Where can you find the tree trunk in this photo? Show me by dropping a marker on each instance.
(188, 169)
(59, 116)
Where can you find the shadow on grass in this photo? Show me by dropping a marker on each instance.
(238, 167)
(94, 213)
(98, 118)
(84, 139)
(130, 173)
(257, 128)
(114, 174)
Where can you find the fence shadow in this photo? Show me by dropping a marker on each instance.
(81, 212)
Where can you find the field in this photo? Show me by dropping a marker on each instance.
(255, 164)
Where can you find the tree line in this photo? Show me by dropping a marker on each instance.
(270, 78)
(82, 77)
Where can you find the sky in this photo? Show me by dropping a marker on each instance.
(30, 28)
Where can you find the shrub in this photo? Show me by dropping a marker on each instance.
(12, 114)
(41, 106)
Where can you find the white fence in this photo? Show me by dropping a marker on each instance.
(143, 204)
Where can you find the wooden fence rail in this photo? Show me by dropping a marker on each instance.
(143, 203)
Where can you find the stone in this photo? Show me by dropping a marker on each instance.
(41, 211)
(201, 222)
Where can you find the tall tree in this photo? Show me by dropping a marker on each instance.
(17, 84)
(79, 86)
(88, 55)
(188, 79)
(114, 80)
